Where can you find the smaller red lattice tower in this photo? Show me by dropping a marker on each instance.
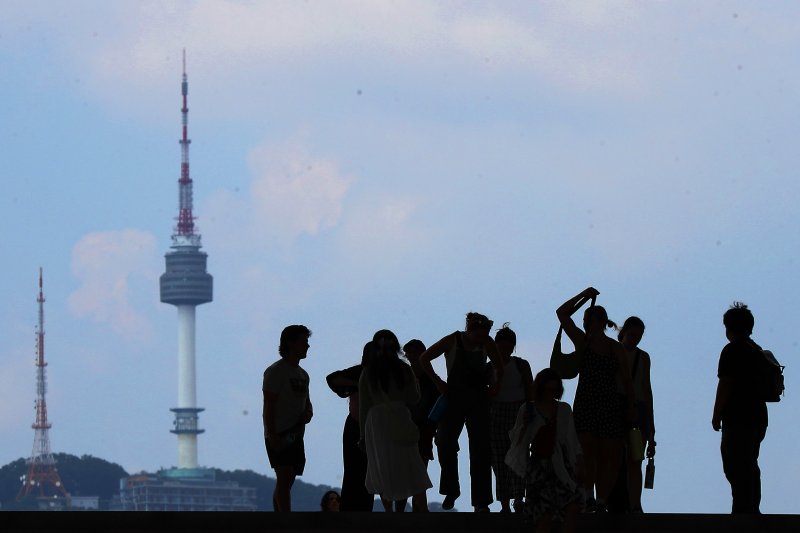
(42, 479)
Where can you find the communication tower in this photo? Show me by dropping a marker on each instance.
(42, 479)
(186, 284)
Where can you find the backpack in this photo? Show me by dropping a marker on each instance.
(770, 377)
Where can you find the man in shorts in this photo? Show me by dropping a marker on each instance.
(287, 410)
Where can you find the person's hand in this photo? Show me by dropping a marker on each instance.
(441, 386)
(308, 414)
(651, 449)
(590, 292)
(716, 423)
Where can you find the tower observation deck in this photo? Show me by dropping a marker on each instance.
(186, 284)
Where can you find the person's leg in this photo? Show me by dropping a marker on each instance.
(545, 523)
(589, 475)
(480, 462)
(419, 503)
(570, 518)
(609, 459)
(387, 505)
(400, 506)
(354, 495)
(634, 471)
(740, 447)
(447, 435)
(281, 498)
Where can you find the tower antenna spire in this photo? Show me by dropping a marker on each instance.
(186, 284)
(42, 478)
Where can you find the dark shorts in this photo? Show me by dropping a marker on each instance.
(293, 455)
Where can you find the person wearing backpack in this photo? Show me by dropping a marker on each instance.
(740, 410)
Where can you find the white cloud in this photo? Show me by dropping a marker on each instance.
(294, 192)
(105, 263)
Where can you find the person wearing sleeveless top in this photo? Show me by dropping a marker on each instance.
(600, 415)
(517, 387)
(467, 392)
(630, 334)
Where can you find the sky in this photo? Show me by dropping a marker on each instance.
(361, 165)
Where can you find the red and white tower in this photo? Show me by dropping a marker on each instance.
(186, 284)
(42, 479)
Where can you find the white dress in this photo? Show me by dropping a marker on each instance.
(395, 469)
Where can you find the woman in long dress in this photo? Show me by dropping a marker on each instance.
(386, 388)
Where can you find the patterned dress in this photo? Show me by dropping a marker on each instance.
(597, 403)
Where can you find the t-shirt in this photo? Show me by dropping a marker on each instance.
(744, 407)
(290, 385)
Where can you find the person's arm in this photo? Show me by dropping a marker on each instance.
(568, 308)
(270, 432)
(724, 388)
(497, 362)
(627, 380)
(344, 382)
(438, 348)
(648, 399)
(527, 376)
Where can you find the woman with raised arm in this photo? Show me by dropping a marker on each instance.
(599, 410)
(344, 383)
(467, 394)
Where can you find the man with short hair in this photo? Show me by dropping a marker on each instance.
(740, 411)
(287, 410)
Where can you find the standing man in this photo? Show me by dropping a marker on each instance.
(740, 410)
(287, 410)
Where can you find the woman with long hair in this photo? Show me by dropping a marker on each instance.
(386, 388)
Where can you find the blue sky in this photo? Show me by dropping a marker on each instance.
(361, 165)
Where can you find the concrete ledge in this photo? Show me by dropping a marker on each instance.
(377, 522)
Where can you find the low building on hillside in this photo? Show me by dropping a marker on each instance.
(184, 489)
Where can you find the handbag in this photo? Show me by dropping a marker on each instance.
(567, 365)
(635, 445)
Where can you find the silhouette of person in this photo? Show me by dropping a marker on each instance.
(740, 411)
(287, 410)
(545, 449)
(628, 488)
(467, 392)
(599, 409)
(428, 395)
(386, 388)
(330, 502)
(516, 388)
(344, 383)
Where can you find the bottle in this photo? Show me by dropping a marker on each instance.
(649, 473)
(437, 412)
